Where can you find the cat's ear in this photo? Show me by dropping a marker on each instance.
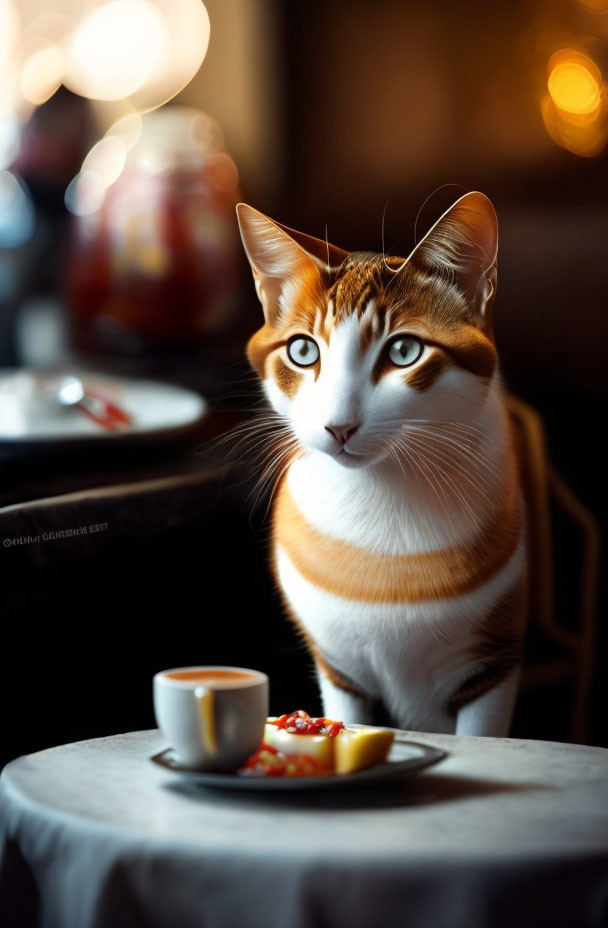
(463, 245)
(279, 255)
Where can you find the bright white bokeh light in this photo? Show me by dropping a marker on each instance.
(106, 159)
(41, 75)
(85, 193)
(187, 38)
(10, 29)
(140, 51)
(115, 48)
(54, 27)
(127, 129)
(100, 169)
(10, 33)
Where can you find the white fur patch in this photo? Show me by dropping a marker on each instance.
(413, 656)
(392, 511)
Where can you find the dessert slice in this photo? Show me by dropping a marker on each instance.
(319, 747)
(358, 748)
(330, 744)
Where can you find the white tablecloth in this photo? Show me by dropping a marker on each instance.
(502, 833)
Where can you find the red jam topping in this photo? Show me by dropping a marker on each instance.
(301, 723)
(268, 762)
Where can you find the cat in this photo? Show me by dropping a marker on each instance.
(398, 523)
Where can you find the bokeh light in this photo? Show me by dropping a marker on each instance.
(9, 140)
(187, 32)
(114, 49)
(100, 169)
(41, 75)
(574, 109)
(84, 194)
(174, 136)
(128, 129)
(106, 159)
(10, 29)
(574, 82)
(16, 211)
(138, 51)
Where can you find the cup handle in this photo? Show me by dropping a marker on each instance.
(206, 706)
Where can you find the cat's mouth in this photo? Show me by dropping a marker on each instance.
(353, 458)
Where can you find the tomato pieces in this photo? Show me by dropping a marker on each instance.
(301, 723)
(268, 762)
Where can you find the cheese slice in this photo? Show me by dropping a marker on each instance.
(358, 748)
(353, 749)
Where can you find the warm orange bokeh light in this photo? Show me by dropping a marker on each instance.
(574, 82)
(586, 139)
(574, 111)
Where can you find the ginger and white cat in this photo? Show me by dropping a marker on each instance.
(398, 521)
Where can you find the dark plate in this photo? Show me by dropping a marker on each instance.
(406, 758)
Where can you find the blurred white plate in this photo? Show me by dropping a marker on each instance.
(30, 419)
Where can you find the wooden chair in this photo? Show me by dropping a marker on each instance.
(545, 488)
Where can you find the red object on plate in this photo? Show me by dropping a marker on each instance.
(103, 411)
(269, 762)
(301, 723)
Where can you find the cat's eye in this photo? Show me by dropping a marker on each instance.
(405, 350)
(303, 350)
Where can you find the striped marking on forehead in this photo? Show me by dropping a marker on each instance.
(380, 301)
(356, 282)
(374, 323)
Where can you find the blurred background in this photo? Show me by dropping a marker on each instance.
(129, 129)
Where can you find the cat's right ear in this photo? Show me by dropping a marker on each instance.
(278, 256)
(462, 245)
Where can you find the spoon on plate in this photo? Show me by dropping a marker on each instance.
(100, 409)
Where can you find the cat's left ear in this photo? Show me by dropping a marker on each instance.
(279, 255)
(463, 245)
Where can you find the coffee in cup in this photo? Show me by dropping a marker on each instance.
(212, 716)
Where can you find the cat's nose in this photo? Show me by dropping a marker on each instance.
(342, 432)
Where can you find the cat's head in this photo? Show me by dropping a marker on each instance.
(355, 346)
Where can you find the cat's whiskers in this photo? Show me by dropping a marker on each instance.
(449, 432)
(249, 441)
(273, 473)
(456, 447)
(427, 475)
(436, 484)
(442, 475)
(451, 462)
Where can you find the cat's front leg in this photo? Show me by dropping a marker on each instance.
(490, 715)
(343, 705)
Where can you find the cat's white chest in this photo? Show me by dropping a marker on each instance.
(394, 652)
(410, 655)
(374, 511)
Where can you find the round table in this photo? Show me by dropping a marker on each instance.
(502, 832)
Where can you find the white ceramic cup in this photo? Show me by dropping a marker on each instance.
(212, 716)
